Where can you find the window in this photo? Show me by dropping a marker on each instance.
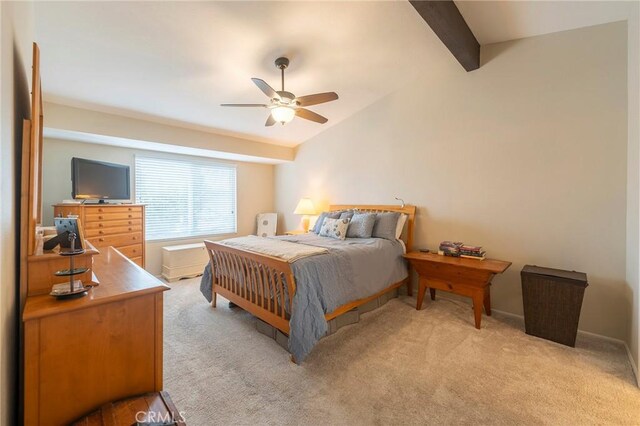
(186, 198)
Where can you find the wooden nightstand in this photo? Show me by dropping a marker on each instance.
(295, 232)
(466, 277)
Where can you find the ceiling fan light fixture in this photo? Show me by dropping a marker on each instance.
(283, 114)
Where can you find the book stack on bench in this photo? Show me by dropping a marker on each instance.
(458, 249)
(472, 252)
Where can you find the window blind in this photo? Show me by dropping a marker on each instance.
(186, 198)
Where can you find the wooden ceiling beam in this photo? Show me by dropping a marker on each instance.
(445, 20)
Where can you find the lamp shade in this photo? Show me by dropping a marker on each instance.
(305, 206)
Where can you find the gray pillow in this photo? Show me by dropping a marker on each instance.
(361, 225)
(385, 226)
(347, 214)
(322, 217)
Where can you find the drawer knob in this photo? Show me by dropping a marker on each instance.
(129, 209)
(100, 210)
(130, 228)
(101, 232)
(130, 222)
(135, 238)
(134, 250)
(100, 225)
(130, 216)
(99, 217)
(100, 239)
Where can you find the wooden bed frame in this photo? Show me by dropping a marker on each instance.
(259, 283)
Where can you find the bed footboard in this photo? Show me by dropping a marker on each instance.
(261, 285)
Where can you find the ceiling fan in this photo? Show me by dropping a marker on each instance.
(284, 105)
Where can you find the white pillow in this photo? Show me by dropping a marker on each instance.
(400, 226)
(335, 228)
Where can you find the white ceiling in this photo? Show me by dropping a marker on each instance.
(175, 62)
(179, 61)
(496, 21)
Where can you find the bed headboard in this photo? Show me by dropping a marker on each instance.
(410, 211)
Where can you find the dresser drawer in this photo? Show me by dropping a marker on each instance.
(113, 230)
(138, 261)
(132, 251)
(116, 240)
(112, 223)
(112, 209)
(112, 216)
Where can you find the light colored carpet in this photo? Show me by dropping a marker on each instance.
(397, 365)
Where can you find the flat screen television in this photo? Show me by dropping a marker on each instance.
(99, 180)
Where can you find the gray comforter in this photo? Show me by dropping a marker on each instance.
(353, 269)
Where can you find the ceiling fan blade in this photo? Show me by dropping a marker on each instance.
(318, 98)
(268, 90)
(244, 105)
(270, 121)
(310, 115)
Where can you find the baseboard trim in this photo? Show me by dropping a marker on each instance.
(634, 367)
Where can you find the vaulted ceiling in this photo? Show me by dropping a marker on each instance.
(180, 60)
(175, 62)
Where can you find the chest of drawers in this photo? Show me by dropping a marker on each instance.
(119, 225)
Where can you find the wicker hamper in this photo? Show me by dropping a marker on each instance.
(552, 300)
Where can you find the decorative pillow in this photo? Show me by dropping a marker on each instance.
(322, 217)
(334, 228)
(401, 221)
(361, 225)
(385, 226)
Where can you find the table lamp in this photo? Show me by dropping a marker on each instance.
(305, 207)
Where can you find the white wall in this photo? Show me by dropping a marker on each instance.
(526, 156)
(633, 177)
(254, 182)
(16, 20)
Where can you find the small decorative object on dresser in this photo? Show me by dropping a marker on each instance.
(466, 277)
(74, 288)
(118, 225)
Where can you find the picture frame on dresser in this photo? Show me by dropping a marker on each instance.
(66, 226)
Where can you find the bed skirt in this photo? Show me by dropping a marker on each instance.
(347, 318)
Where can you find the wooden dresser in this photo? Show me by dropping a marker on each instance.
(80, 354)
(117, 225)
